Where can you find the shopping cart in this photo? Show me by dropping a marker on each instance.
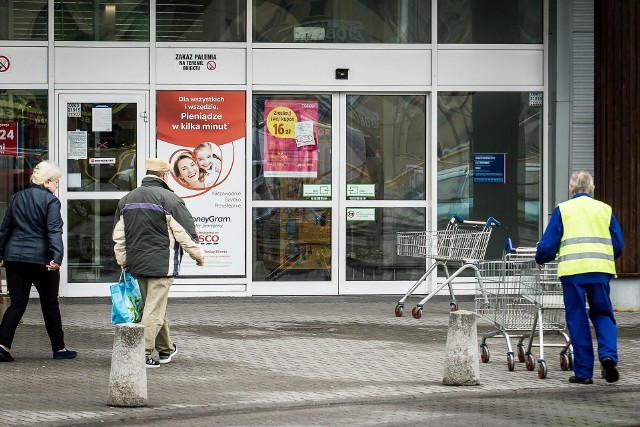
(462, 243)
(500, 301)
(544, 290)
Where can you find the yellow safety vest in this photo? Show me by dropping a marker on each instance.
(585, 246)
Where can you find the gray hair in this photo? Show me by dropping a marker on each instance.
(46, 170)
(582, 182)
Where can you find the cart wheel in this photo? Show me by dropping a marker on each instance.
(416, 312)
(570, 362)
(484, 353)
(399, 310)
(542, 369)
(453, 306)
(603, 373)
(511, 363)
(564, 362)
(530, 362)
(521, 353)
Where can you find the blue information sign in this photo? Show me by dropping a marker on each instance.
(489, 168)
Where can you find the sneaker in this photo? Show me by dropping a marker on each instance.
(166, 357)
(152, 363)
(65, 354)
(610, 372)
(5, 356)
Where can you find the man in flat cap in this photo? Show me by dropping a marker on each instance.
(152, 229)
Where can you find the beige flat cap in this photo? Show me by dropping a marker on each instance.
(157, 165)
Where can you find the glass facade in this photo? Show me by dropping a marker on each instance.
(329, 21)
(23, 20)
(117, 20)
(507, 128)
(201, 21)
(490, 21)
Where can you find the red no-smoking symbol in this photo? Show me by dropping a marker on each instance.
(4, 64)
(211, 65)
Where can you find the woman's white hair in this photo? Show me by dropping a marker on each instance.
(582, 182)
(46, 170)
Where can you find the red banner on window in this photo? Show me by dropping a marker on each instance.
(8, 138)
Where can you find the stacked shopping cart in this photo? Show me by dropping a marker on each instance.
(525, 302)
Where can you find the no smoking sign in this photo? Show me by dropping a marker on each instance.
(5, 64)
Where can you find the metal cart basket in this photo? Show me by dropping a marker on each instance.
(462, 243)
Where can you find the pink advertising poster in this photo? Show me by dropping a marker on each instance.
(291, 139)
(202, 135)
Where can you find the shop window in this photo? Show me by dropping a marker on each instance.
(201, 21)
(98, 20)
(334, 21)
(23, 139)
(490, 21)
(23, 20)
(490, 163)
(386, 137)
(291, 147)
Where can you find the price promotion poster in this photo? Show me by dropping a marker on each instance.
(291, 139)
(202, 135)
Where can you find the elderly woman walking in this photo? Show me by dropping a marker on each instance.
(31, 251)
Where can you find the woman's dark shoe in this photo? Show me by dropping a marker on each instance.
(609, 370)
(574, 380)
(65, 354)
(5, 356)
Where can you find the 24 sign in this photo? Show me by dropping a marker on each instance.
(9, 138)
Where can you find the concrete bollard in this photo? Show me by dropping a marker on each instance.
(128, 379)
(461, 363)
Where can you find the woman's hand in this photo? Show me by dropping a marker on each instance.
(1, 263)
(52, 266)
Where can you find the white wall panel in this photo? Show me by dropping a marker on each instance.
(317, 67)
(473, 67)
(200, 66)
(26, 65)
(105, 65)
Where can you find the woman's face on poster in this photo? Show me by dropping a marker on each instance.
(189, 170)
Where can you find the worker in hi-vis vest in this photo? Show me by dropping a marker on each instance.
(586, 237)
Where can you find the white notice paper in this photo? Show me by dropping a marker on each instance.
(101, 118)
(77, 145)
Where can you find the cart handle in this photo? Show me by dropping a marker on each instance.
(491, 221)
(509, 249)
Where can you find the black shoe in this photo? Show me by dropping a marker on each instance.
(166, 357)
(5, 356)
(151, 363)
(574, 380)
(610, 373)
(65, 354)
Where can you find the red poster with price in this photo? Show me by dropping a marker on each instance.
(8, 138)
(291, 139)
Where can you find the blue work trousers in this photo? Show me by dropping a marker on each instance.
(601, 315)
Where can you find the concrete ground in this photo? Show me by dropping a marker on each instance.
(312, 361)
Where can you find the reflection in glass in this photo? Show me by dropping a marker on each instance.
(23, 20)
(102, 160)
(292, 244)
(284, 164)
(490, 21)
(491, 122)
(201, 21)
(23, 139)
(115, 20)
(386, 146)
(371, 246)
(89, 254)
(333, 21)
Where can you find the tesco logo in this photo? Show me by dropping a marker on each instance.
(209, 238)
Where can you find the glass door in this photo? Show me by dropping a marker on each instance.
(383, 189)
(335, 176)
(102, 147)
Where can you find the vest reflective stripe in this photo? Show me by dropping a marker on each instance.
(586, 241)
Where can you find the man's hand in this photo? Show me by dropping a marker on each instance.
(540, 266)
(200, 262)
(1, 263)
(52, 266)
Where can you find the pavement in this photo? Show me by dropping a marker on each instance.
(312, 361)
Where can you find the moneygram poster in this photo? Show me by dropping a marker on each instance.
(291, 139)
(202, 135)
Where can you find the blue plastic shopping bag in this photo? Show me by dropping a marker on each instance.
(127, 301)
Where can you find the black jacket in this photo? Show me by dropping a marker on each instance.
(152, 227)
(32, 228)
